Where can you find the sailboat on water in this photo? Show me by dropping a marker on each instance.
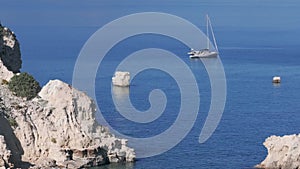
(207, 52)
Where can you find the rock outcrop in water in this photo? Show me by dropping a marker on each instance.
(283, 152)
(55, 129)
(121, 79)
(10, 50)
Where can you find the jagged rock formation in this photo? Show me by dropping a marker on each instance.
(55, 129)
(9, 139)
(283, 152)
(10, 50)
(121, 79)
(60, 128)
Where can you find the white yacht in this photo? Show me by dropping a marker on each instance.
(207, 52)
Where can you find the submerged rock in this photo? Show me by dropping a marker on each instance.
(283, 152)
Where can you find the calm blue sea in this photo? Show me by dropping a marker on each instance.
(255, 40)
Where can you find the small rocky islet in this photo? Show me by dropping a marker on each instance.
(55, 129)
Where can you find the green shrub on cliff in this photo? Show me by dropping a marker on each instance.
(12, 122)
(24, 85)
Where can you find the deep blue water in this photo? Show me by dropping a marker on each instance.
(255, 108)
(256, 42)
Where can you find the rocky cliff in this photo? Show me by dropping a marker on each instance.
(55, 129)
(283, 152)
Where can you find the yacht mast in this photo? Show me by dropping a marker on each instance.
(212, 32)
(207, 33)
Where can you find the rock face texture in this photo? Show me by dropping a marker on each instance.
(121, 79)
(283, 152)
(4, 153)
(5, 74)
(10, 50)
(59, 128)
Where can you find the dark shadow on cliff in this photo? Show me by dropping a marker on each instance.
(11, 63)
(13, 143)
(10, 53)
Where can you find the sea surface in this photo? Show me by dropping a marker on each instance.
(253, 48)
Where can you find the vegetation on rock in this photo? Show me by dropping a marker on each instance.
(53, 140)
(24, 85)
(12, 122)
(4, 82)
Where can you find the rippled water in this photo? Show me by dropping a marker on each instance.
(255, 108)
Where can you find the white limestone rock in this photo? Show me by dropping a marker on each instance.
(65, 98)
(5, 153)
(5, 74)
(63, 120)
(283, 152)
(121, 79)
